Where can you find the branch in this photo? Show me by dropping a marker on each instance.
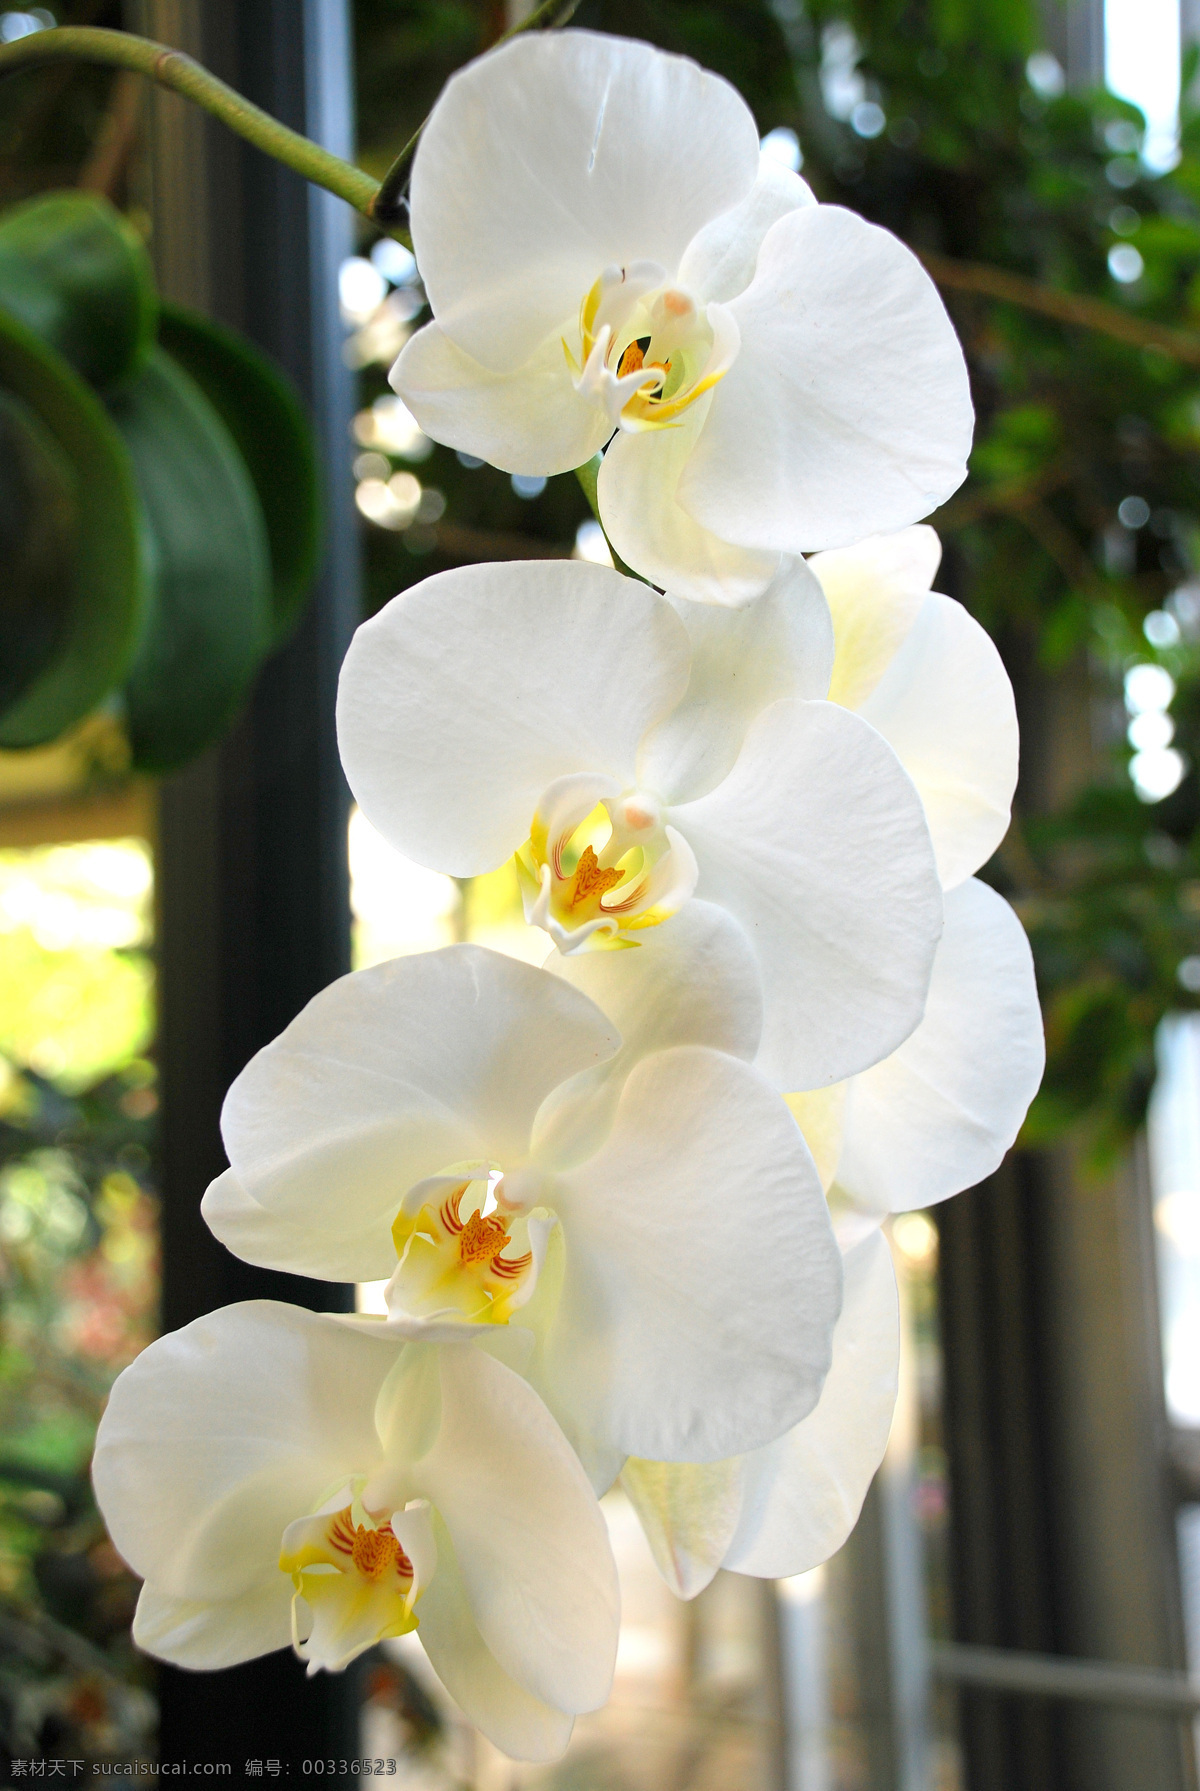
(1077, 569)
(389, 206)
(1065, 307)
(171, 68)
(102, 171)
(1009, 494)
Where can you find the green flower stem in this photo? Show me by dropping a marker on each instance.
(388, 207)
(587, 474)
(171, 68)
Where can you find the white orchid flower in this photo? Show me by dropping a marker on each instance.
(561, 712)
(788, 1507)
(277, 1476)
(605, 251)
(653, 1233)
(932, 1119)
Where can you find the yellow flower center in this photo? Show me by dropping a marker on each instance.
(482, 1239)
(354, 1584)
(647, 352)
(374, 1551)
(451, 1264)
(596, 873)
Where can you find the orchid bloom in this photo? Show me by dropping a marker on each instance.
(277, 1476)
(789, 1506)
(931, 1119)
(607, 255)
(635, 758)
(642, 1219)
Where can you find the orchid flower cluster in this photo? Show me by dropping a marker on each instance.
(628, 1206)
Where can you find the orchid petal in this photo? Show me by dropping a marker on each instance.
(938, 1115)
(689, 1512)
(529, 421)
(804, 1492)
(295, 1244)
(817, 844)
(653, 533)
(529, 1538)
(781, 645)
(701, 1279)
(847, 411)
(874, 591)
(719, 261)
(558, 155)
(218, 1435)
(393, 1073)
(946, 706)
(820, 1114)
(205, 1635)
(512, 1718)
(465, 697)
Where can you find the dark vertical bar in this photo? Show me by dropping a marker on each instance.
(1062, 1536)
(1002, 1558)
(254, 916)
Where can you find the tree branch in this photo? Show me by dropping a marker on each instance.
(1065, 307)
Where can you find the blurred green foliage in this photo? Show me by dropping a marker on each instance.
(78, 1274)
(927, 116)
(78, 1282)
(158, 497)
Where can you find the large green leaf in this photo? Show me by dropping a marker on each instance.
(265, 418)
(210, 620)
(74, 272)
(38, 546)
(92, 643)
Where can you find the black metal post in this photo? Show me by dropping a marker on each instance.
(253, 902)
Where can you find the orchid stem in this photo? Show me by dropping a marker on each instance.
(173, 69)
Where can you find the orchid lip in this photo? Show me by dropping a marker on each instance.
(357, 1574)
(647, 350)
(469, 1245)
(601, 865)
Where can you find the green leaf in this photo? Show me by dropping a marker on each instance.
(210, 620)
(265, 418)
(75, 273)
(38, 545)
(106, 576)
